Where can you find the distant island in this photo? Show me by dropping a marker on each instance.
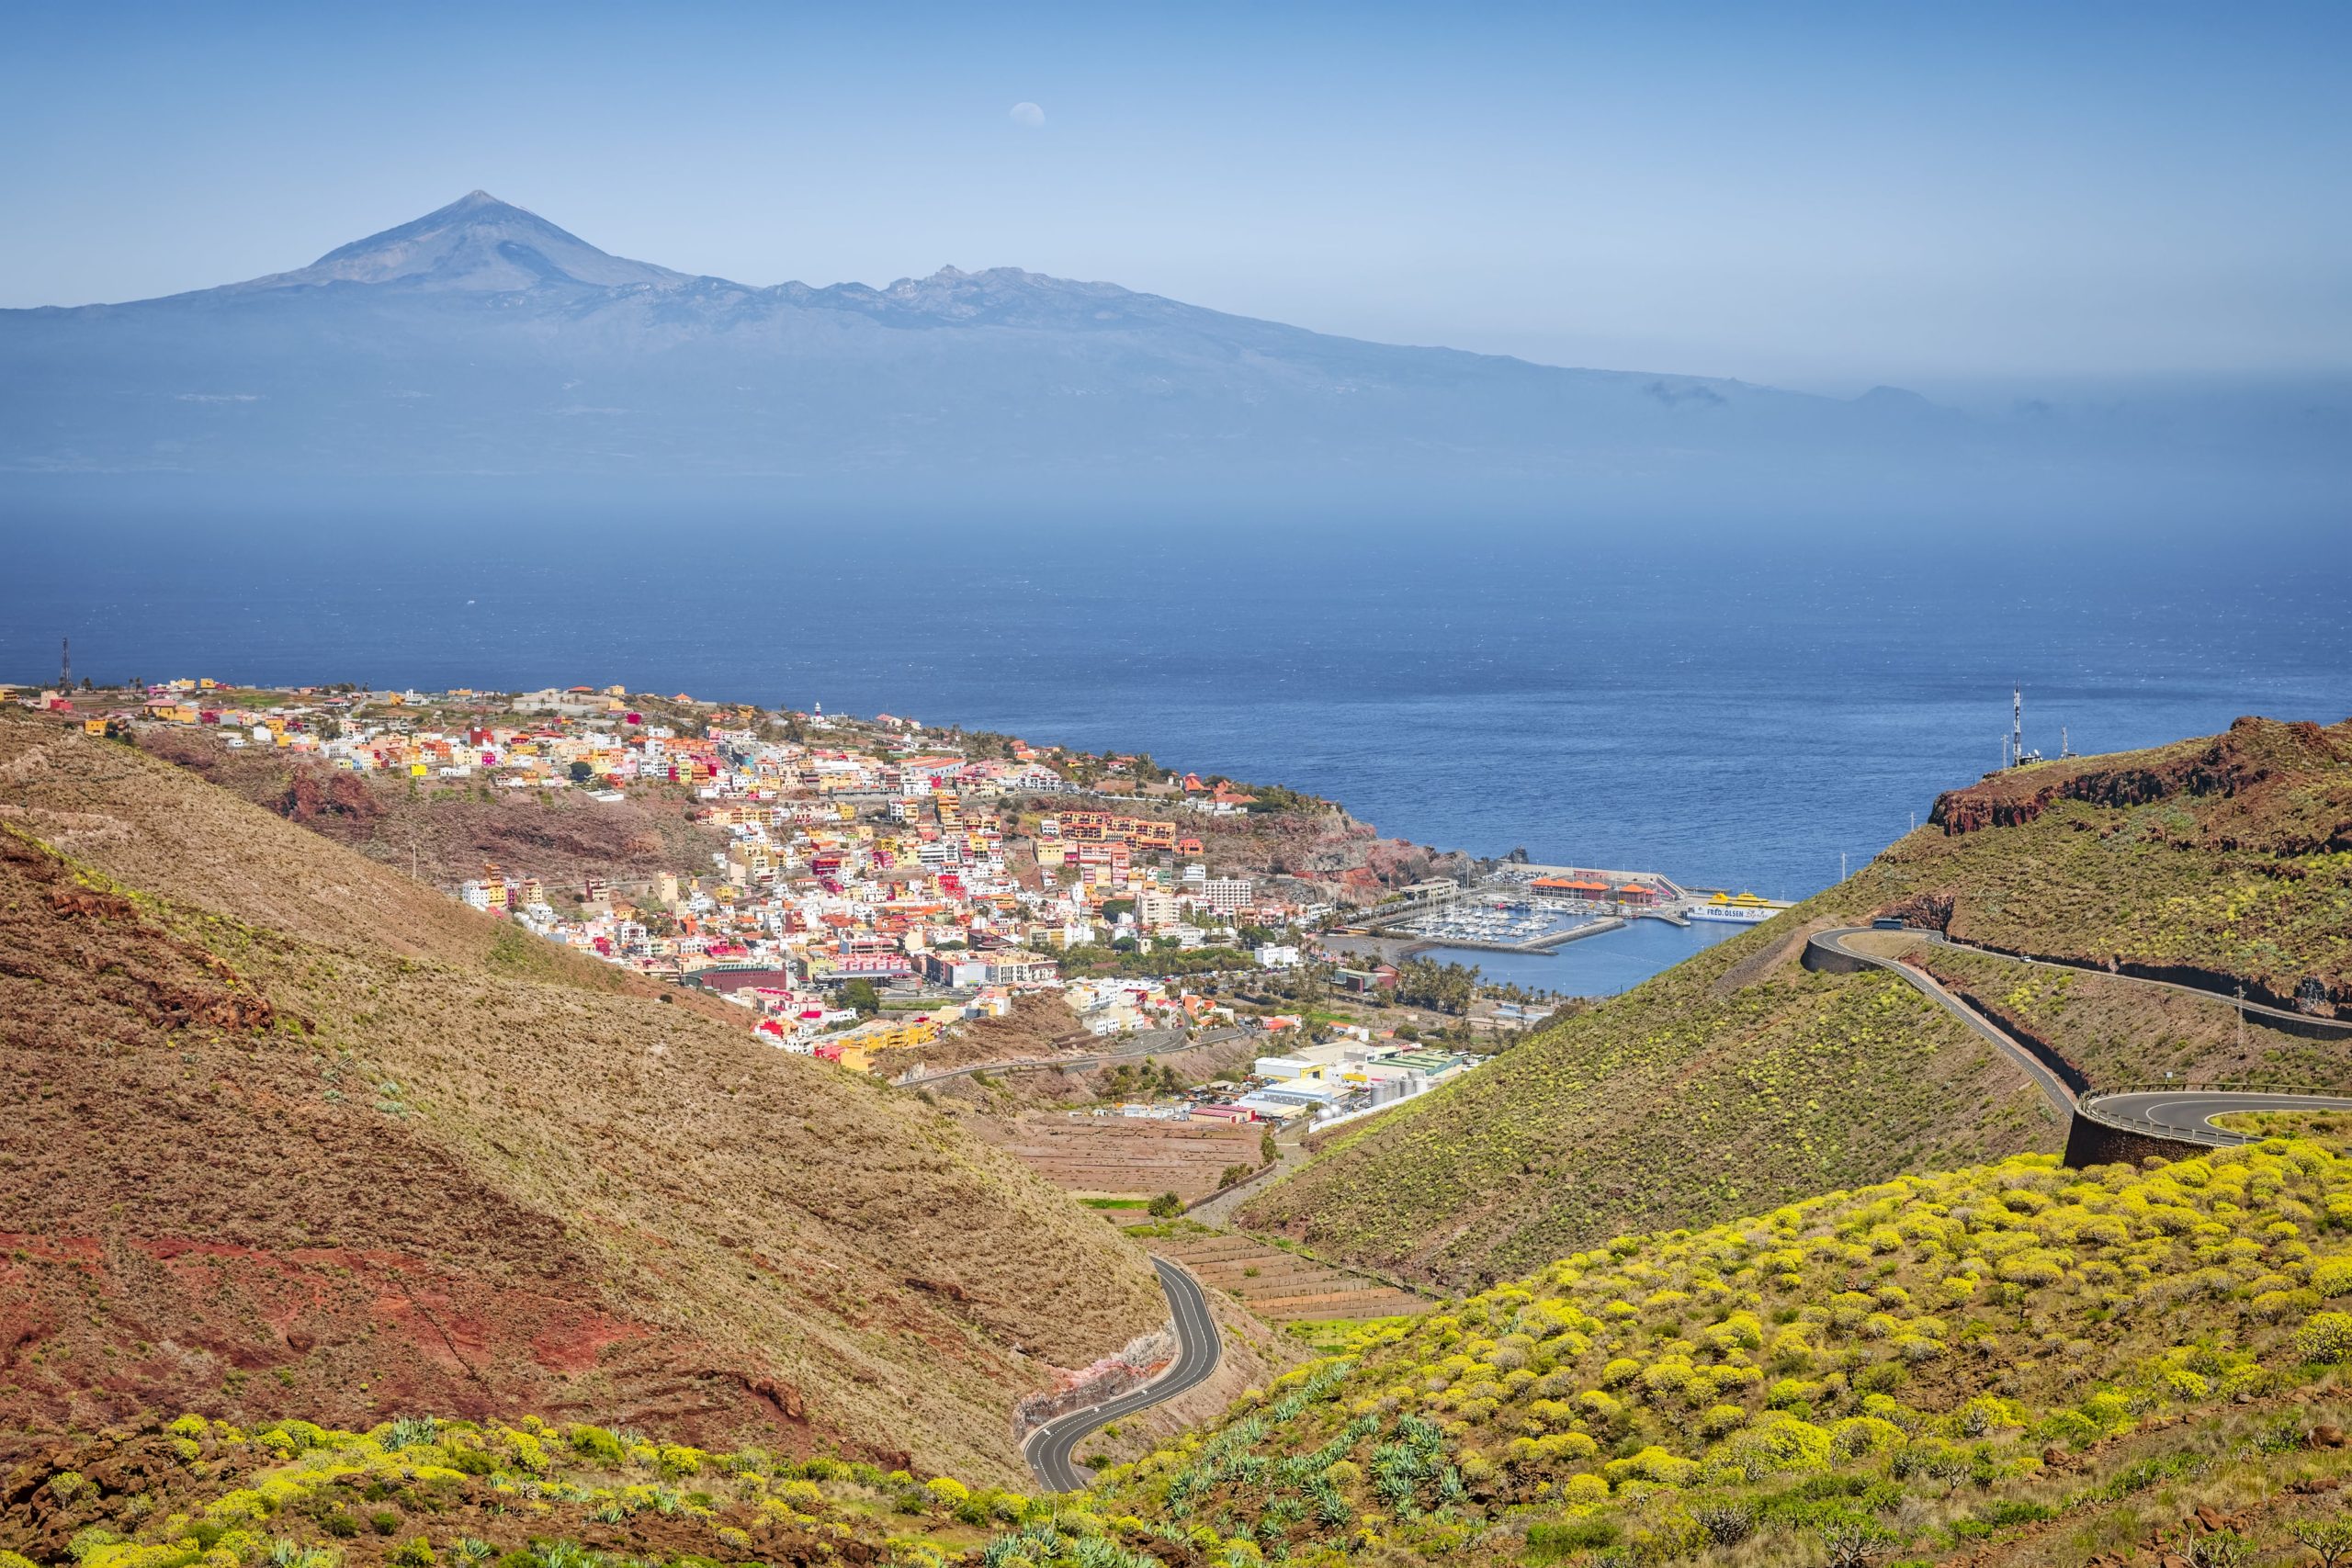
(482, 340)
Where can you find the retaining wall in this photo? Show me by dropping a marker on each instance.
(2092, 1142)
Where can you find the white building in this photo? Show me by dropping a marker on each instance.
(1225, 895)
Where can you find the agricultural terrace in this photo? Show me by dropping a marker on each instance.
(1125, 1156)
(1917, 1365)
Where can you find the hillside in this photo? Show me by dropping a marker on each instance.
(2008, 1366)
(288, 1134)
(2012, 1363)
(1736, 1078)
(447, 831)
(2218, 861)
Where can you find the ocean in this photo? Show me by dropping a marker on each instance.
(1746, 708)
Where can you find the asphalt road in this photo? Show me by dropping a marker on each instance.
(1199, 1348)
(2052, 1087)
(2299, 1022)
(2188, 1113)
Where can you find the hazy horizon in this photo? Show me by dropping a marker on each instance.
(1822, 200)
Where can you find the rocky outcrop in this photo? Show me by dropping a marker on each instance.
(2253, 751)
(1143, 1358)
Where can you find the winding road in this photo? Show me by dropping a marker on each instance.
(2053, 1087)
(1199, 1348)
(2187, 1113)
(2184, 1112)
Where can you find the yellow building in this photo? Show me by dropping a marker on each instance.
(859, 1045)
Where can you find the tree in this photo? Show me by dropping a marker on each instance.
(860, 994)
(582, 771)
(1266, 1151)
(2330, 1540)
(1167, 1206)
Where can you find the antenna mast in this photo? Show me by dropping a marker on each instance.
(2017, 725)
(65, 663)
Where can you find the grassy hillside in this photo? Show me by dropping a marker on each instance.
(416, 1491)
(2114, 1030)
(2015, 1361)
(2230, 855)
(2011, 1364)
(282, 1133)
(1734, 1079)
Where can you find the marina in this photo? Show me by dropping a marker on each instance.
(1533, 912)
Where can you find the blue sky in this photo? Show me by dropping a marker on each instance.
(1814, 196)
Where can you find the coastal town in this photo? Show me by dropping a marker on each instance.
(873, 887)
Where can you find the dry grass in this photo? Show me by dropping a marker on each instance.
(486, 1174)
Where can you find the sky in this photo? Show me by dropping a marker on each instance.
(1823, 197)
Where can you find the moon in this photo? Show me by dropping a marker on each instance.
(1028, 116)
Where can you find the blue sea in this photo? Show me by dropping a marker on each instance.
(1746, 708)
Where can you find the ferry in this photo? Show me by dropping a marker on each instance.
(1744, 908)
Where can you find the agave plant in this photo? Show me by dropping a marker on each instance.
(412, 1431)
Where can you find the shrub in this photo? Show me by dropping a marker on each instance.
(1652, 1463)
(2330, 1540)
(1880, 1377)
(2222, 1549)
(597, 1445)
(2325, 1337)
(1726, 1523)
(1570, 1535)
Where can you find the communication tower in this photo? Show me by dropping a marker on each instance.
(2013, 751)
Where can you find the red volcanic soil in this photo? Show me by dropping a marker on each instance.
(189, 1215)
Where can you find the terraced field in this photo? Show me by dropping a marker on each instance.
(1112, 1156)
(1282, 1287)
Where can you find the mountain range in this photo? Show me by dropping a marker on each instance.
(481, 339)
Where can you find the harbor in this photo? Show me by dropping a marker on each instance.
(1529, 917)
